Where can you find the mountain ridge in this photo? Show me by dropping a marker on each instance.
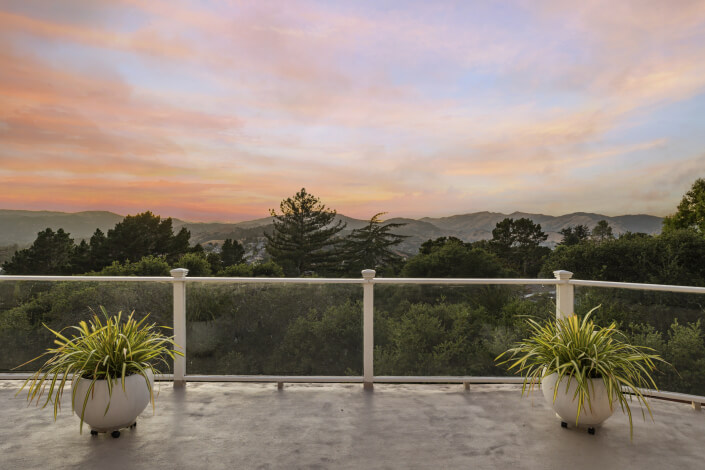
(21, 227)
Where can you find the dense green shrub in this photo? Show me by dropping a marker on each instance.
(671, 258)
(146, 266)
(196, 263)
(454, 259)
(267, 269)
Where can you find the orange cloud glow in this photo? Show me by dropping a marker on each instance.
(217, 112)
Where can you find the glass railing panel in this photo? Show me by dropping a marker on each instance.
(452, 330)
(273, 329)
(26, 306)
(671, 323)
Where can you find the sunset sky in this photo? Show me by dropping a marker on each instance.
(216, 110)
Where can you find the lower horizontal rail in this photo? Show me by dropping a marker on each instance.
(447, 379)
(27, 375)
(639, 286)
(275, 378)
(671, 395)
(409, 379)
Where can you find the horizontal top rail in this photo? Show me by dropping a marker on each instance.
(475, 281)
(277, 280)
(244, 280)
(288, 280)
(376, 280)
(639, 286)
(89, 278)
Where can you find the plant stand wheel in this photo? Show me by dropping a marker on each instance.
(564, 424)
(591, 431)
(114, 432)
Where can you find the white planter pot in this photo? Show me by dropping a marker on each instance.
(567, 407)
(125, 405)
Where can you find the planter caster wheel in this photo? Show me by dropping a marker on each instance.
(591, 431)
(94, 433)
(564, 424)
(115, 434)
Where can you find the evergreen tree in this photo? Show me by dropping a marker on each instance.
(518, 242)
(304, 235)
(371, 247)
(574, 235)
(232, 253)
(100, 252)
(527, 233)
(51, 253)
(429, 245)
(520, 233)
(81, 258)
(197, 248)
(503, 238)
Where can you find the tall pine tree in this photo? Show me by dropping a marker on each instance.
(304, 235)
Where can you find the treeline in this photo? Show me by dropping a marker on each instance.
(140, 245)
(306, 241)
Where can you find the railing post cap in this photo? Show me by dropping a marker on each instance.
(179, 272)
(368, 273)
(562, 275)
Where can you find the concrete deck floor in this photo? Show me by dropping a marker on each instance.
(238, 425)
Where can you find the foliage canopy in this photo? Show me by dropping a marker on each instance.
(370, 247)
(691, 210)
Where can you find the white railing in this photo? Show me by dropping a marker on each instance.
(564, 307)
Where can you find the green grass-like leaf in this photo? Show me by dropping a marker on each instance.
(577, 349)
(102, 349)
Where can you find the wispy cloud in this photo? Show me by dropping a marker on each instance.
(218, 111)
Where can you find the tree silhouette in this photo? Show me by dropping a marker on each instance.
(232, 253)
(51, 253)
(518, 243)
(371, 246)
(602, 232)
(146, 234)
(304, 235)
(574, 235)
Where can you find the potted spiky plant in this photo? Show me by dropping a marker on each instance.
(110, 364)
(584, 370)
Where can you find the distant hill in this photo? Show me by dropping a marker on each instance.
(21, 227)
(479, 225)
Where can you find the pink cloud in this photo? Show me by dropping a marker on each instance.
(355, 104)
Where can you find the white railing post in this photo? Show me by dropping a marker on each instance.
(368, 331)
(564, 295)
(179, 325)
